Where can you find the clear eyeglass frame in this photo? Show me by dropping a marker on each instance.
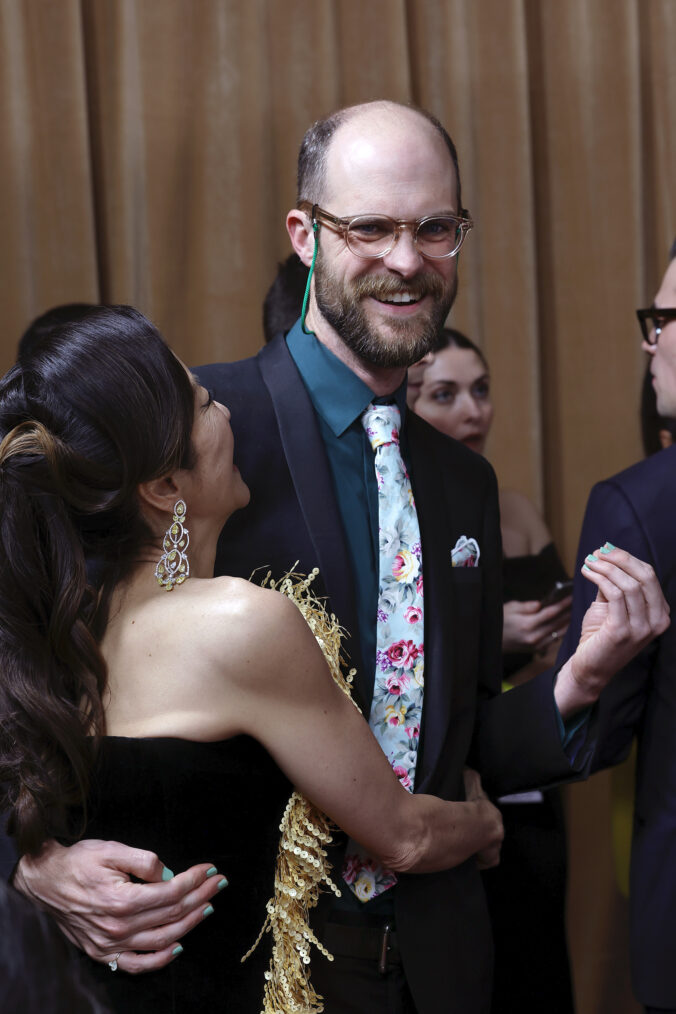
(392, 227)
(653, 320)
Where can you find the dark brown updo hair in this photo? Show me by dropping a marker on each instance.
(451, 338)
(94, 407)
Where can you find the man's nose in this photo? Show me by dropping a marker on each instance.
(404, 257)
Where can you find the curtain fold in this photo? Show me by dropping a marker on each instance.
(49, 246)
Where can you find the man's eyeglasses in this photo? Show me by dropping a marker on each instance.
(435, 236)
(653, 320)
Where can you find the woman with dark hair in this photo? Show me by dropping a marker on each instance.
(527, 892)
(128, 713)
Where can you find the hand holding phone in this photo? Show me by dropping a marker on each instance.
(536, 626)
(560, 590)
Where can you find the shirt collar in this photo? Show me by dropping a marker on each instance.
(324, 375)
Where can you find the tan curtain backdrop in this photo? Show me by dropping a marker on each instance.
(148, 156)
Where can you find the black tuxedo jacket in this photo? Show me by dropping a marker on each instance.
(513, 740)
(635, 510)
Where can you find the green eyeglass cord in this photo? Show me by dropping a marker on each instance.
(315, 229)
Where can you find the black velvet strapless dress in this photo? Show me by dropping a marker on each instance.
(192, 802)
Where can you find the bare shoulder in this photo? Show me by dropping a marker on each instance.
(232, 600)
(524, 530)
(260, 627)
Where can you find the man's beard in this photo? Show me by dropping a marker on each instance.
(407, 340)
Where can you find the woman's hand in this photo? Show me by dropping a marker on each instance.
(530, 627)
(628, 612)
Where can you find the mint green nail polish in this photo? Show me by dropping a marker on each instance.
(166, 873)
(212, 871)
(585, 567)
(608, 547)
(177, 950)
(209, 910)
(592, 559)
(222, 883)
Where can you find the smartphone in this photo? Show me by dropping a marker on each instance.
(560, 591)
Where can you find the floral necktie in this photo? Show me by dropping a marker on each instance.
(398, 689)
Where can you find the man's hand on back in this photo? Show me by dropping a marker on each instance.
(88, 890)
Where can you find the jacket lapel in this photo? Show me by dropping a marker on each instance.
(308, 463)
(435, 509)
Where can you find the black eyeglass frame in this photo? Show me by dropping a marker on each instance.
(650, 329)
(341, 225)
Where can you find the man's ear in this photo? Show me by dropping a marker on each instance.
(299, 228)
(160, 494)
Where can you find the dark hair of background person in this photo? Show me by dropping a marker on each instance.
(315, 145)
(95, 407)
(284, 299)
(450, 338)
(40, 972)
(651, 421)
(63, 314)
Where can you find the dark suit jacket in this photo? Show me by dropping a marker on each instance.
(635, 510)
(513, 740)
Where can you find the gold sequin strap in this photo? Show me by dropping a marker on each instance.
(302, 867)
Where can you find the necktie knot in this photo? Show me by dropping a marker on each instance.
(381, 423)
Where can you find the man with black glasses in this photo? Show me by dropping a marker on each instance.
(637, 510)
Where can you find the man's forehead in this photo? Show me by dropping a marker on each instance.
(389, 152)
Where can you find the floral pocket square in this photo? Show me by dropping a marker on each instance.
(465, 553)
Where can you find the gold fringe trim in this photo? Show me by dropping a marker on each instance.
(302, 867)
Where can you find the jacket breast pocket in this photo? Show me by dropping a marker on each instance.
(466, 580)
(466, 585)
(466, 588)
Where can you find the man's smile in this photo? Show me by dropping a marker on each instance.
(401, 297)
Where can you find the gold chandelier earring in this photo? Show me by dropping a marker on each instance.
(174, 567)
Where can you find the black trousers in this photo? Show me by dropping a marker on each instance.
(356, 985)
(526, 897)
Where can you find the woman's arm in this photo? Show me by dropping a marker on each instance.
(285, 697)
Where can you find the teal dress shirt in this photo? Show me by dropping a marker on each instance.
(352, 465)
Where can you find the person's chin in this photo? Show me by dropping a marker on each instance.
(246, 494)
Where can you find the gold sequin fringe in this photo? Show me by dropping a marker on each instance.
(302, 866)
